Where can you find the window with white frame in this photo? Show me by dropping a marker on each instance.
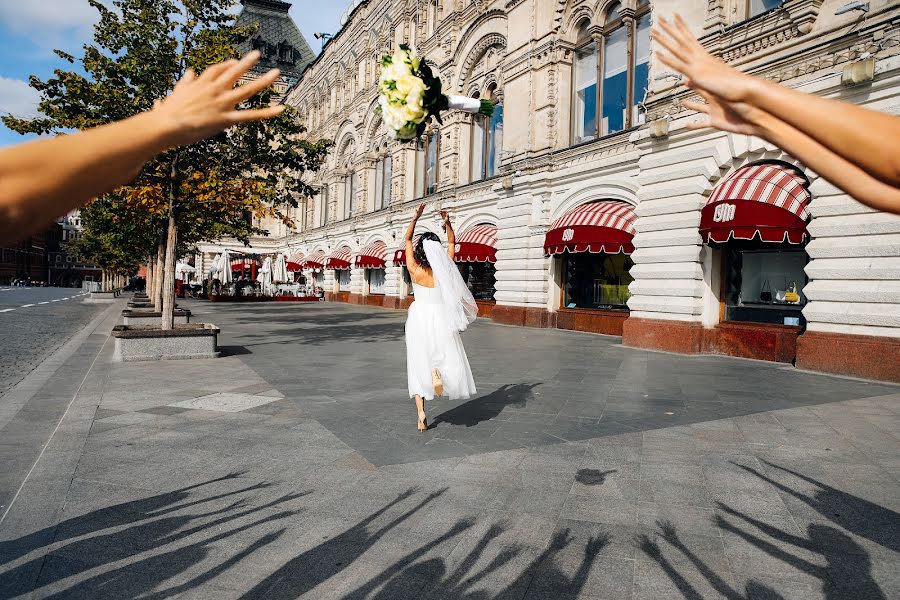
(432, 148)
(487, 140)
(375, 278)
(344, 280)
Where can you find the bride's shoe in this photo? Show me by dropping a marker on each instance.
(423, 423)
(437, 382)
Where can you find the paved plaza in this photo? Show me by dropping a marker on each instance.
(292, 467)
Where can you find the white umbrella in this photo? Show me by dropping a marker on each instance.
(216, 266)
(182, 269)
(280, 270)
(265, 276)
(225, 266)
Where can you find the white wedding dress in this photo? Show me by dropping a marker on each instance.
(433, 324)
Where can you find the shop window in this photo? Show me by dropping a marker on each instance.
(375, 277)
(344, 280)
(596, 280)
(764, 283)
(480, 278)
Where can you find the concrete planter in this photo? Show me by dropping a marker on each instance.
(151, 317)
(100, 297)
(149, 342)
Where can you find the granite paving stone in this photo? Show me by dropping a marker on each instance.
(291, 468)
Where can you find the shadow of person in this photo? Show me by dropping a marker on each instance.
(848, 569)
(306, 571)
(431, 580)
(861, 517)
(117, 515)
(752, 591)
(592, 476)
(485, 408)
(90, 552)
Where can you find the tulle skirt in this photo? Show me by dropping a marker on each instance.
(431, 344)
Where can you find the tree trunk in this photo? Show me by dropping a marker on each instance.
(168, 287)
(148, 286)
(103, 280)
(158, 279)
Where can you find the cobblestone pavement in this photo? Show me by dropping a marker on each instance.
(291, 468)
(34, 322)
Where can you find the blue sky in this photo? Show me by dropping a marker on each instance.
(31, 29)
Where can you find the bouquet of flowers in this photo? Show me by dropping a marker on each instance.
(409, 94)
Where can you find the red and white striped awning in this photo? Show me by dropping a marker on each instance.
(766, 201)
(400, 253)
(477, 244)
(605, 226)
(245, 262)
(339, 260)
(294, 262)
(373, 256)
(314, 261)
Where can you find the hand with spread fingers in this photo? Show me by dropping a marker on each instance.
(46, 178)
(834, 138)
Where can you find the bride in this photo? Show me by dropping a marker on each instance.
(435, 358)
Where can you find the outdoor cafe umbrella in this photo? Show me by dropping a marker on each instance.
(225, 266)
(181, 269)
(280, 270)
(265, 276)
(215, 267)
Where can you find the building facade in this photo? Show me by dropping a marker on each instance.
(65, 269)
(585, 203)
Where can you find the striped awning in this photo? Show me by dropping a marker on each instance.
(339, 259)
(400, 253)
(314, 261)
(605, 226)
(245, 262)
(373, 256)
(294, 261)
(769, 202)
(477, 244)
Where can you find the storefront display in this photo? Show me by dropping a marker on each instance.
(597, 281)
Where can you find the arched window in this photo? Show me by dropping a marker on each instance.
(610, 78)
(487, 140)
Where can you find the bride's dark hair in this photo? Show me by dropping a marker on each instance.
(419, 250)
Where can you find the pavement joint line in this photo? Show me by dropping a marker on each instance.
(43, 303)
(27, 305)
(6, 310)
(12, 502)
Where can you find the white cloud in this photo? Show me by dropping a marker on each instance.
(17, 98)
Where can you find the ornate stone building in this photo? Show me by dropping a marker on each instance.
(586, 203)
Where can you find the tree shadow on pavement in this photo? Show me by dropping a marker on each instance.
(844, 567)
(485, 408)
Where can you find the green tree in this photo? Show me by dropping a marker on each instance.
(140, 49)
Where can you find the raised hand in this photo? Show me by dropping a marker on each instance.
(445, 217)
(419, 210)
(702, 71)
(200, 107)
(736, 117)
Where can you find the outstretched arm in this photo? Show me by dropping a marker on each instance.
(739, 117)
(410, 231)
(43, 179)
(451, 237)
(847, 130)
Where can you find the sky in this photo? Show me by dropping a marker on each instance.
(31, 29)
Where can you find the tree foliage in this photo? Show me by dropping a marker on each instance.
(140, 49)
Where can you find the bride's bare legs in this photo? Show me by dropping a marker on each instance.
(420, 408)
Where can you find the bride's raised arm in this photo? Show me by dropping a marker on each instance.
(451, 237)
(410, 231)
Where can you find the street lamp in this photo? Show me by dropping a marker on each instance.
(323, 36)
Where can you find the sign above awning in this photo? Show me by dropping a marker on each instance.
(373, 256)
(767, 202)
(605, 226)
(477, 244)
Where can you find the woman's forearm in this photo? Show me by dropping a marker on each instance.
(410, 231)
(53, 176)
(835, 169)
(864, 137)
